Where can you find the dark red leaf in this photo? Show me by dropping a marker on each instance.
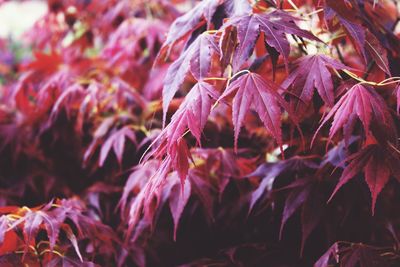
(251, 90)
(360, 101)
(197, 59)
(189, 22)
(312, 72)
(374, 161)
(275, 25)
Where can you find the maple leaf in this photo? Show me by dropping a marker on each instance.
(57, 217)
(362, 102)
(336, 156)
(226, 165)
(251, 90)
(162, 191)
(44, 62)
(69, 99)
(357, 32)
(116, 141)
(193, 112)
(128, 41)
(275, 25)
(68, 261)
(294, 200)
(178, 198)
(312, 72)
(34, 220)
(188, 23)
(136, 181)
(9, 240)
(338, 10)
(376, 162)
(364, 41)
(197, 59)
(203, 189)
(313, 210)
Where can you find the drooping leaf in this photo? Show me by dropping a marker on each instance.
(116, 141)
(376, 163)
(362, 102)
(338, 10)
(294, 200)
(177, 201)
(197, 59)
(57, 217)
(312, 212)
(357, 32)
(251, 90)
(182, 26)
(312, 72)
(193, 112)
(275, 25)
(137, 180)
(33, 221)
(192, 115)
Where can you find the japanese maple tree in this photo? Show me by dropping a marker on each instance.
(217, 132)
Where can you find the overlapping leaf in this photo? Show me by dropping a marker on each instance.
(190, 22)
(312, 72)
(251, 90)
(377, 164)
(197, 59)
(275, 25)
(117, 142)
(359, 102)
(52, 218)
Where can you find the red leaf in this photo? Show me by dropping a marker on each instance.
(362, 102)
(192, 113)
(375, 162)
(275, 25)
(44, 62)
(251, 90)
(357, 32)
(8, 239)
(312, 212)
(137, 180)
(269, 171)
(203, 190)
(189, 22)
(294, 200)
(376, 175)
(338, 10)
(117, 142)
(312, 72)
(197, 59)
(178, 198)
